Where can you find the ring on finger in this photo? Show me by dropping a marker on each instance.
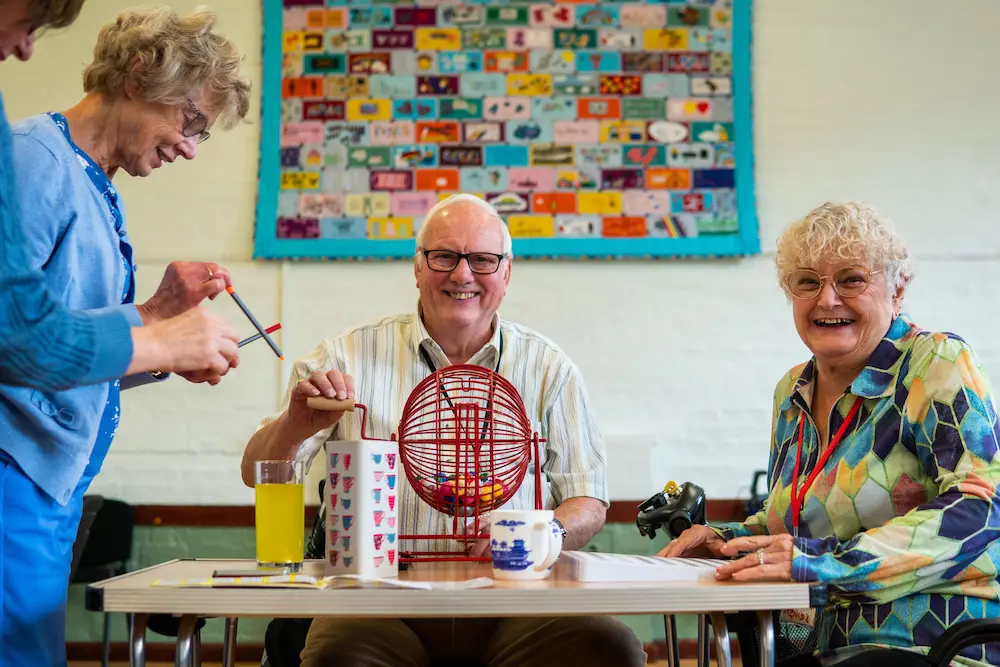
(760, 556)
(210, 274)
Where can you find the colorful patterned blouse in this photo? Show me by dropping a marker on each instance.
(902, 522)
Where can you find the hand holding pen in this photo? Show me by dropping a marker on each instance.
(213, 379)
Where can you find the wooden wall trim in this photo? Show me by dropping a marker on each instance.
(228, 516)
(242, 516)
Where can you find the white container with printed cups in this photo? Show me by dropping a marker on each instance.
(524, 544)
(361, 508)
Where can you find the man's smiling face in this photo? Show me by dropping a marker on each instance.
(462, 298)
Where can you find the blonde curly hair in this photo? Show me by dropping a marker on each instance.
(177, 55)
(850, 231)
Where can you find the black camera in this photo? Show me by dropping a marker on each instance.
(677, 507)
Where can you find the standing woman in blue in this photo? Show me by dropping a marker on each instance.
(157, 84)
(43, 343)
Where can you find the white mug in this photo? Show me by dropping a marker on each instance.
(524, 544)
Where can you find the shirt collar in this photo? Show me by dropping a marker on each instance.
(488, 355)
(878, 378)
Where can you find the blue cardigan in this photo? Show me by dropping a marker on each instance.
(67, 233)
(43, 344)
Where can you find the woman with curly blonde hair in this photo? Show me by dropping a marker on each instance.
(885, 459)
(157, 84)
(47, 344)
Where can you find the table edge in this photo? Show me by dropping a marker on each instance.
(93, 594)
(359, 603)
(95, 599)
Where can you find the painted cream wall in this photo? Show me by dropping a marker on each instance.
(890, 102)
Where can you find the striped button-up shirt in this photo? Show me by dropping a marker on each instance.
(385, 361)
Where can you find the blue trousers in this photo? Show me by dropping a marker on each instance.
(36, 551)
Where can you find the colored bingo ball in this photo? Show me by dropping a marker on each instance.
(491, 491)
(452, 492)
(492, 494)
(462, 492)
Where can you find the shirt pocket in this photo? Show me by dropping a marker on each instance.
(67, 417)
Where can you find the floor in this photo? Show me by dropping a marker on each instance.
(684, 663)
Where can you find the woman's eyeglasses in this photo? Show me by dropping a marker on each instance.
(196, 126)
(848, 282)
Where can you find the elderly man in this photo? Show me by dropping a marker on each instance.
(462, 268)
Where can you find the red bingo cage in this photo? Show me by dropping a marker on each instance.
(465, 444)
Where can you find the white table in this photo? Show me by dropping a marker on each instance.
(559, 595)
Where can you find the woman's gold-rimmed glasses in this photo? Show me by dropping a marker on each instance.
(195, 127)
(848, 282)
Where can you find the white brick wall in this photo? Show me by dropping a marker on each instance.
(892, 102)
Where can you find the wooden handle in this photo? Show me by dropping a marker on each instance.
(330, 404)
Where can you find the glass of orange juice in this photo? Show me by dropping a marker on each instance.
(280, 514)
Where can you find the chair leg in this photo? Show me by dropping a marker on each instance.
(703, 641)
(721, 632)
(186, 631)
(106, 644)
(229, 645)
(128, 628)
(766, 633)
(670, 637)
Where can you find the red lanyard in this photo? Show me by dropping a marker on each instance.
(798, 497)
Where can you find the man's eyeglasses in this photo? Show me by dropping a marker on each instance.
(196, 126)
(848, 282)
(447, 260)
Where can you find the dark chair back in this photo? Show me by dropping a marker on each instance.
(91, 505)
(108, 548)
(757, 498)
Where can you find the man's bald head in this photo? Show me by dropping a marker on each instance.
(468, 208)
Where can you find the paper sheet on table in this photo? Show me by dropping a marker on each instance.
(589, 567)
(333, 582)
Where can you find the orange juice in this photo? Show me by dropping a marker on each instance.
(280, 519)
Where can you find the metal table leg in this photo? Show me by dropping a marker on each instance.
(721, 631)
(137, 641)
(703, 651)
(229, 643)
(765, 622)
(196, 653)
(106, 645)
(184, 654)
(670, 627)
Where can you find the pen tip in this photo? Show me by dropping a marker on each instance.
(230, 289)
(282, 357)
